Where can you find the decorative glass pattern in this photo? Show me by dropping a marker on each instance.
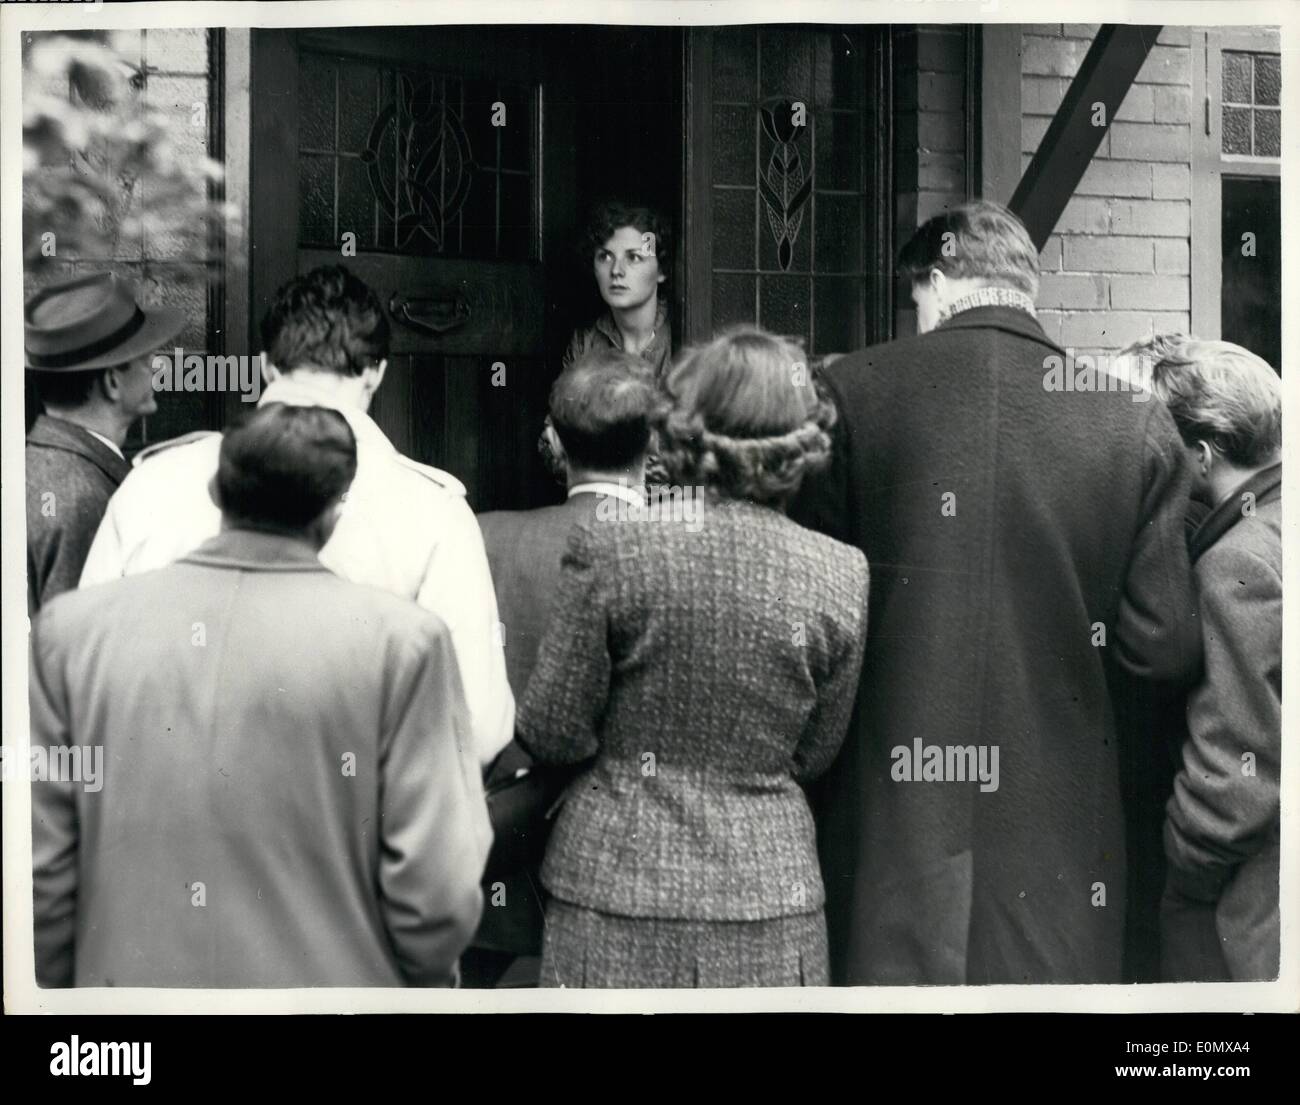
(789, 182)
(1252, 115)
(416, 162)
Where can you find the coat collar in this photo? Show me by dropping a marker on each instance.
(257, 551)
(300, 393)
(1265, 486)
(50, 432)
(1008, 319)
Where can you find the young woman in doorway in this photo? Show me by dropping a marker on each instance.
(629, 249)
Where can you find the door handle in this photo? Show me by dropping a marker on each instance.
(435, 315)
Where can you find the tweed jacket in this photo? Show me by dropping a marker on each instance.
(289, 793)
(70, 477)
(1022, 538)
(707, 674)
(1222, 829)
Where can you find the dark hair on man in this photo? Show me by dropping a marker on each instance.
(979, 240)
(283, 465)
(601, 408)
(326, 319)
(609, 217)
(62, 390)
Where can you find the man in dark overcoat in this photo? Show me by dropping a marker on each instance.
(1023, 517)
(88, 345)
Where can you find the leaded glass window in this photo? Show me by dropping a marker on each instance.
(416, 162)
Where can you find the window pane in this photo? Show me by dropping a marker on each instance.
(356, 203)
(1268, 138)
(784, 306)
(317, 194)
(839, 150)
(786, 63)
(315, 103)
(838, 310)
(1236, 130)
(516, 146)
(1268, 79)
(358, 104)
(839, 233)
(1251, 312)
(733, 299)
(1236, 77)
(840, 77)
(734, 76)
(516, 216)
(733, 145)
(733, 228)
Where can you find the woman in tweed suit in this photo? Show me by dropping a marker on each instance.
(704, 657)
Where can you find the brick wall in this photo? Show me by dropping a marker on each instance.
(178, 67)
(930, 146)
(1118, 266)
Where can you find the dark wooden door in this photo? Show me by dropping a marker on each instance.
(436, 163)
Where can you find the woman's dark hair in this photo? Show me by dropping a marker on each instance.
(283, 465)
(744, 415)
(609, 217)
(326, 319)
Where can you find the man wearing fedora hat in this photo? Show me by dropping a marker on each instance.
(89, 347)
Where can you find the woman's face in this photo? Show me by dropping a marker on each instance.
(627, 269)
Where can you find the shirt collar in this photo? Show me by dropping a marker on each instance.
(106, 441)
(633, 495)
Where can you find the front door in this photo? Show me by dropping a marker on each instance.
(415, 155)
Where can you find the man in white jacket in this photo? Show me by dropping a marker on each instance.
(405, 527)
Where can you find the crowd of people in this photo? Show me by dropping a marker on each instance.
(834, 673)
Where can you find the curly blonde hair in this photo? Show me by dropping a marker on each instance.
(744, 416)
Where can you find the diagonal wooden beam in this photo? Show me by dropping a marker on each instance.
(1108, 71)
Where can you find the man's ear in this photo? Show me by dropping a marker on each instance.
(938, 282)
(1205, 456)
(213, 493)
(111, 384)
(269, 372)
(374, 375)
(553, 440)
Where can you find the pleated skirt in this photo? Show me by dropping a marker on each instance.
(586, 948)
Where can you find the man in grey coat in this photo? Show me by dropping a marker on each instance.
(1219, 917)
(88, 346)
(596, 437)
(290, 795)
